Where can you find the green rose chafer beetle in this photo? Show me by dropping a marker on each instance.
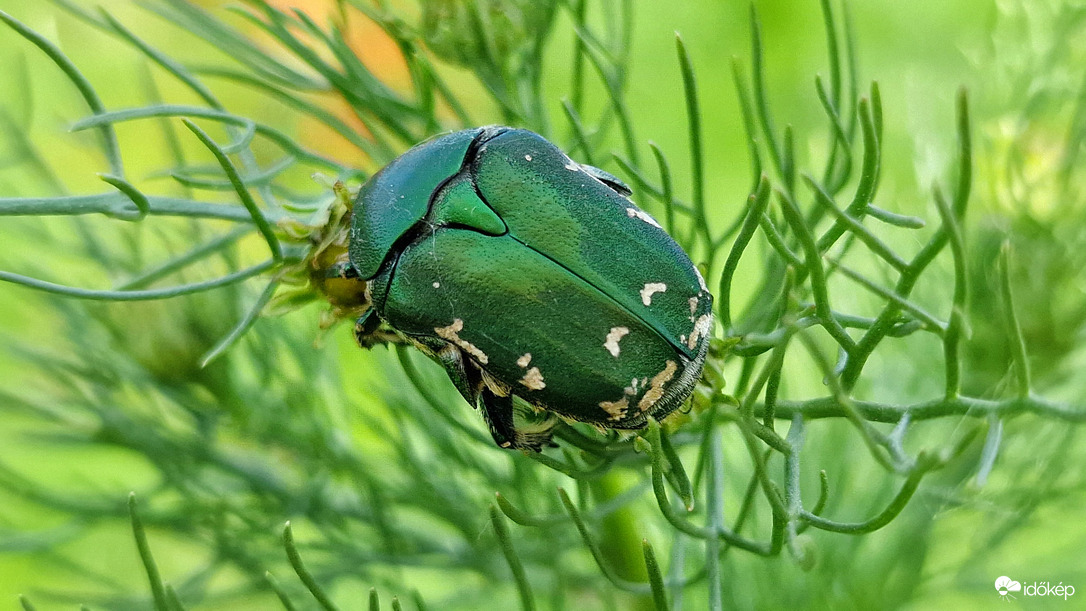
(530, 278)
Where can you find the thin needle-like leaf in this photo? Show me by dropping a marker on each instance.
(697, 163)
(303, 573)
(143, 295)
(112, 149)
(231, 172)
(656, 578)
(1014, 329)
(150, 567)
(501, 529)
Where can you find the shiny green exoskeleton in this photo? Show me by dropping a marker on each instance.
(530, 278)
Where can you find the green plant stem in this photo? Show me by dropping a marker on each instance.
(597, 554)
(157, 590)
(303, 574)
(119, 205)
(665, 188)
(954, 328)
(242, 326)
(930, 322)
(679, 522)
(813, 265)
(912, 482)
(231, 172)
(176, 264)
(524, 519)
(281, 594)
(1014, 329)
(756, 206)
(656, 578)
(714, 505)
(143, 295)
(288, 144)
(869, 179)
(872, 411)
(524, 588)
(761, 98)
(90, 96)
(697, 164)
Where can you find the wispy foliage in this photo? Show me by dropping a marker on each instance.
(245, 425)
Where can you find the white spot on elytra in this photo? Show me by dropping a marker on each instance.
(437, 285)
(656, 386)
(644, 216)
(452, 334)
(613, 337)
(527, 158)
(693, 304)
(524, 359)
(701, 281)
(650, 289)
(617, 409)
(533, 379)
(701, 327)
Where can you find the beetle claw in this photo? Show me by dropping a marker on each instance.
(498, 412)
(366, 329)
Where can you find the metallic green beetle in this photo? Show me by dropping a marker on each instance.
(532, 278)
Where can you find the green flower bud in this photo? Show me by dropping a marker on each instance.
(474, 32)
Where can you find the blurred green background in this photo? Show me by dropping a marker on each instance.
(1023, 64)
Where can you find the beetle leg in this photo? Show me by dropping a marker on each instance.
(464, 376)
(365, 327)
(478, 388)
(368, 332)
(498, 412)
